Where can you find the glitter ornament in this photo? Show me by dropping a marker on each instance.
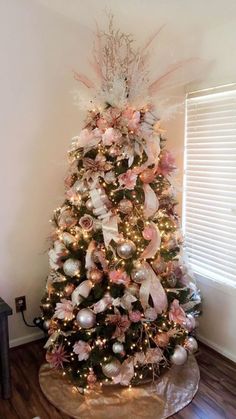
(118, 348)
(67, 238)
(126, 249)
(179, 356)
(139, 274)
(86, 318)
(191, 345)
(147, 176)
(125, 206)
(150, 314)
(172, 281)
(162, 339)
(191, 323)
(95, 276)
(80, 187)
(112, 368)
(133, 289)
(71, 267)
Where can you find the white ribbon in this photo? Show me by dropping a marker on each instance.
(125, 301)
(151, 286)
(81, 292)
(102, 304)
(154, 244)
(151, 202)
(98, 199)
(152, 149)
(110, 230)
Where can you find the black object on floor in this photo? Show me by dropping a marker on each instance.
(5, 378)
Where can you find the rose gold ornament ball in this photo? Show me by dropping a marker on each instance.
(69, 289)
(147, 176)
(95, 276)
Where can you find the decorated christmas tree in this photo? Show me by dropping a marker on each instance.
(120, 305)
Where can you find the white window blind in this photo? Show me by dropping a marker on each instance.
(209, 214)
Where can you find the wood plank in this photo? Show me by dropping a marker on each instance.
(216, 398)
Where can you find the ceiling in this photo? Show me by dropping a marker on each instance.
(192, 28)
(147, 14)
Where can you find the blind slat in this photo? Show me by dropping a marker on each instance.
(212, 253)
(213, 235)
(211, 244)
(210, 183)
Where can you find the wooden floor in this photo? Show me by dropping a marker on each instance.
(216, 398)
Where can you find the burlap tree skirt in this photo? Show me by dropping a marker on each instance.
(169, 394)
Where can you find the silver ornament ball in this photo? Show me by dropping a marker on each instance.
(71, 267)
(46, 324)
(112, 368)
(179, 356)
(191, 345)
(126, 249)
(86, 318)
(89, 205)
(118, 347)
(138, 274)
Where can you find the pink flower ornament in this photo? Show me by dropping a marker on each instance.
(86, 222)
(122, 324)
(57, 357)
(128, 179)
(102, 124)
(82, 349)
(132, 118)
(119, 277)
(111, 136)
(135, 316)
(176, 313)
(166, 164)
(64, 310)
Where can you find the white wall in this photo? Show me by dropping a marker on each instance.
(217, 323)
(39, 49)
(41, 42)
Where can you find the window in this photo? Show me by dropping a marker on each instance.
(209, 214)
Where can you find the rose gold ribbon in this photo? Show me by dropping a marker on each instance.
(152, 149)
(102, 304)
(89, 263)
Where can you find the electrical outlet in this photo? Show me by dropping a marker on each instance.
(20, 304)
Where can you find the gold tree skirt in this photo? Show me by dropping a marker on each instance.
(159, 400)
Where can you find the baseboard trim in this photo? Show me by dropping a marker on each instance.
(217, 348)
(26, 339)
